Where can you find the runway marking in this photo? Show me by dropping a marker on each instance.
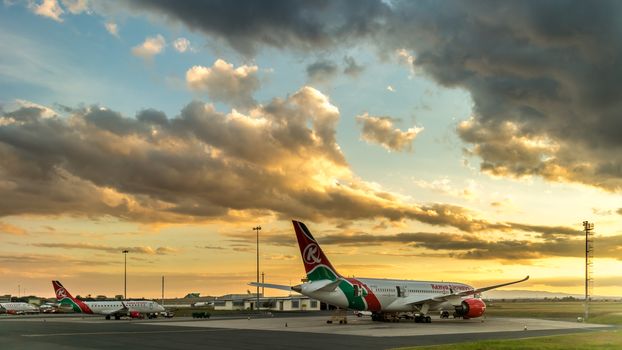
(129, 332)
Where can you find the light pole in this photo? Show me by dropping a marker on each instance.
(125, 274)
(258, 228)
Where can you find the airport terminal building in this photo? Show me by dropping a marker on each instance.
(248, 302)
(290, 303)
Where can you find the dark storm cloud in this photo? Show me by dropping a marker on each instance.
(321, 70)
(352, 68)
(467, 246)
(278, 23)
(544, 77)
(547, 232)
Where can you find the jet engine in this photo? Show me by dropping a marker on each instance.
(470, 308)
(136, 314)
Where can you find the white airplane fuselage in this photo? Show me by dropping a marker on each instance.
(18, 307)
(391, 295)
(381, 296)
(108, 307)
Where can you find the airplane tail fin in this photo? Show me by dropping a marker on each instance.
(60, 291)
(66, 300)
(317, 265)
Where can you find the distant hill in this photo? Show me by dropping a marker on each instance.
(536, 294)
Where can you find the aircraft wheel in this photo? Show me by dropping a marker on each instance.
(428, 319)
(107, 317)
(117, 317)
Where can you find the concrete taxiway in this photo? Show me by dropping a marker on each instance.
(278, 332)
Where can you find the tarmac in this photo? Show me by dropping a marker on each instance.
(277, 332)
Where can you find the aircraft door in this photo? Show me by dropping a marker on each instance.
(357, 290)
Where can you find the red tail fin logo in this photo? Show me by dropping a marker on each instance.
(311, 254)
(316, 263)
(61, 293)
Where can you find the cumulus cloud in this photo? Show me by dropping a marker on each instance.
(381, 131)
(281, 159)
(321, 71)
(182, 45)
(224, 83)
(50, 9)
(281, 24)
(150, 47)
(76, 6)
(548, 83)
(112, 28)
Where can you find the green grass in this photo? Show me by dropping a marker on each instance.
(605, 312)
(602, 312)
(609, 340)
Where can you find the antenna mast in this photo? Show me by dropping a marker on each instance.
(589, 265)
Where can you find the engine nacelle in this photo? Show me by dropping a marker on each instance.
(470, 308)
(136, 314)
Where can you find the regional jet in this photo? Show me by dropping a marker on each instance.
(386, 299)
(115, 308)
(18, 308)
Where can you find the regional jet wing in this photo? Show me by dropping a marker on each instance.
(121, 311)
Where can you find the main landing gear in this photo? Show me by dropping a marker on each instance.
(395, 317)
(423, 319)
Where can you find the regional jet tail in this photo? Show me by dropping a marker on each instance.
(113, 308)
(385, 298)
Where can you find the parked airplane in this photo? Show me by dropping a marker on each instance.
(385, 298)
(114, 308)
(18, 308)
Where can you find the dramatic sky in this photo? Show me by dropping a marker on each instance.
(437, 140)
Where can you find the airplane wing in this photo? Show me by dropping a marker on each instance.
(121, 311)
(272, 286)
(481, 290)
(421, 300)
